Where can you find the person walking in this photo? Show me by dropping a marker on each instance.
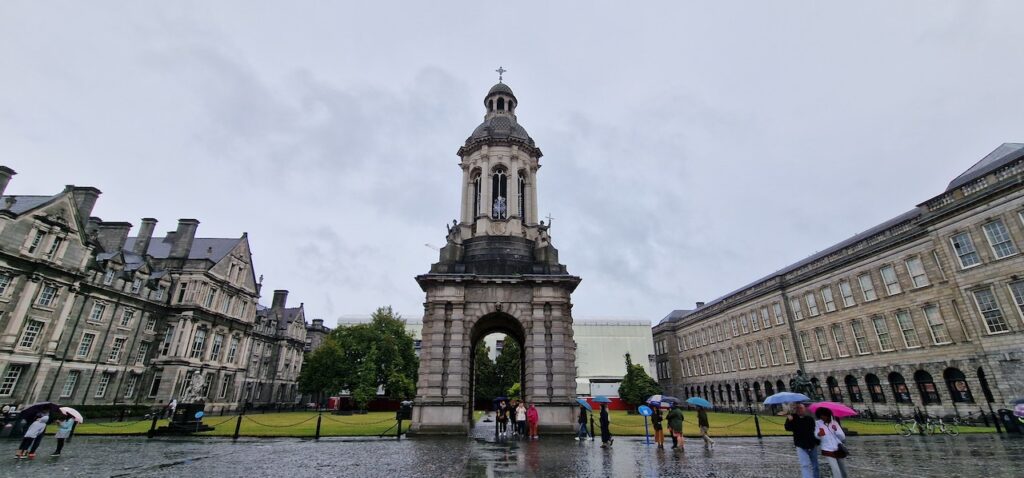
(675, 426)
(33, 437)
(502, 418)
(171, 407)
(582, 433)
(64, 427)
(659, 433)
(606, 433)
(702, 422)
(832, 436)
(533, 418)
(802, 425)
(521, 419)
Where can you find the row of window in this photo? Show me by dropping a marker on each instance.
(113, 354)
(136, 285)
(741, 357)
(197, 350)
(45, 244)
(213, 299)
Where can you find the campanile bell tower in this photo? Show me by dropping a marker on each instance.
(498, 272)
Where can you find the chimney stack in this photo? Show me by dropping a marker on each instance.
(183, 238)
(318, 323)
(280, 299)
(700, 304)
(85, 200)
(111, 235)
(5, 178)
(145, 236)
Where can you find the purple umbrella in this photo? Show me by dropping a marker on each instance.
(838, 409)
(30, 412)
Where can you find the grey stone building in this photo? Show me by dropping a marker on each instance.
(316, 332)
(925, 310)
(279, 339)
(89, 315)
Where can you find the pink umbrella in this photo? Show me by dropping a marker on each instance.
(838, 409)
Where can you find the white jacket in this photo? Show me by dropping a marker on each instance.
(831, 435)
(37, 427)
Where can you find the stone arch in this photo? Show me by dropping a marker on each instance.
(835, 393)
(496, 322)
(780, 386)
(926, 387)
(956, 382)
(853, 388)
(875, 389)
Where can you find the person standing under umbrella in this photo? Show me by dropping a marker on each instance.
(582, 433)
(702, 422)
(33, 437)
(675, 426)
(606, 433)
(802, 425)
(832, 437)
(64, 427)
(659, 433)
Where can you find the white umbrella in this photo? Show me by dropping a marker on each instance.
(71, 412)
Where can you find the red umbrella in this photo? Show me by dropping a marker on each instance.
(838, 409)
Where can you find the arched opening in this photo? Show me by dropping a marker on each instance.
(522, 196)
(768, 388)
(780, 386)
(705, 396)
(899, 388)
(721, 395)
(501, 104)
(926, 387)
(853, 389)
(959, 391)
(497, 361)
(875, 388)
(499, 193)
(818, 392)
(490, 105)
(834, 392)
(746, 392)
(476, 194)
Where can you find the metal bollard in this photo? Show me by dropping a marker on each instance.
(318, 418)
(238, 426)
(152, 427)
(757, 423)
(399, 434)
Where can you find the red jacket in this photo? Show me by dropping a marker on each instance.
(531, 414)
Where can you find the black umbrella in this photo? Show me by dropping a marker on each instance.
(30, 412)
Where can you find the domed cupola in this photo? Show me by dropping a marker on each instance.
(500, 124)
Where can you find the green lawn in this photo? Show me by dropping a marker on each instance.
(285, 424)
(739, 425)
(303, 424)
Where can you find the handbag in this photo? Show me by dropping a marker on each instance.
(842, 451)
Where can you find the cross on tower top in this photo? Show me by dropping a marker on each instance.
(501, 71)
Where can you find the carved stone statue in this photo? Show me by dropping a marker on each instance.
(194, 392)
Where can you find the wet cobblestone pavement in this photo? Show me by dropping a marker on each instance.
(987, 456)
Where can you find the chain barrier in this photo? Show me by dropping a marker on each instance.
(228, 419)
(119, 424)
(329, 417)
(279, 426)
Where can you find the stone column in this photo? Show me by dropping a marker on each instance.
(62, 319)
(26, 295)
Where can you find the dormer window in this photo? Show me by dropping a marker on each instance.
(108, 278)
(54, 247)
(37, 240)
(136, 286)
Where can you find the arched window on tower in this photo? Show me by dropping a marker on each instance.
(522, 196)
(476, 195)
(490, 105)
(499, 192)
(501, 104)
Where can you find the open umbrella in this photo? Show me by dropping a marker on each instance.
(659, 400)
(583, 403)
(601, 399)
(71, 412)
(30, 412)
(786, 397)
(699, 402)
(838, 409)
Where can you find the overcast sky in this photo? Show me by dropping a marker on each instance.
(688, 149)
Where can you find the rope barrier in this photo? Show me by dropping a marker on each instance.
(279, 426)
(119, 424)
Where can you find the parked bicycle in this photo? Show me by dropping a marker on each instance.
(909, 426)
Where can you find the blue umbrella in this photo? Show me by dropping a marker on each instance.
(659, 400)
(786, 397)
(583, 403)
(601, 399)
(700, 402)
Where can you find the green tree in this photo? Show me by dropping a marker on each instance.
(515, 391)
(486, 384)
(361, 358)
(508, 364)
(636, 385)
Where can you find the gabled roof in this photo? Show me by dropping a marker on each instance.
(212, 248)
(284, 316)
(1004, 154)
(676, 315)
(24, 204)
(131, 260)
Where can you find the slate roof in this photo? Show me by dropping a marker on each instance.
(1001, 156)
(676, 315)
(285, 316)
(501, 88)
(23, 204)
(132, 261)
(499, 127)
(212, 248)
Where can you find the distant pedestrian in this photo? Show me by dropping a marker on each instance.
(606, 433)
(502, 418)
(832, 437)
(171, 407)
(675, 426)
(659, 432)
(582, 433)
(33, 437)
(702, 422)
(521, 419)
(532, 418)
(64, 427)
(802, 425)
